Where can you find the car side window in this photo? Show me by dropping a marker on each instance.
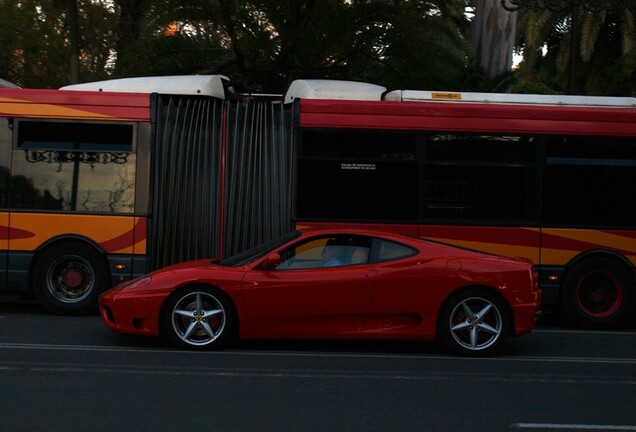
(329, 251)
(386, 250)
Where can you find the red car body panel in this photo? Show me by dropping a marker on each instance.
(397, 299)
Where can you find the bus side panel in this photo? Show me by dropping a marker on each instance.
(5, 174)
(18, 264)
(560, 245)
(4, 247)
(74, 105)
(514, 242)
(476, 117)
(113, 234)
(120, 237)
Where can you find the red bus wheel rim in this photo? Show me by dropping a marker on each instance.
(599, 294)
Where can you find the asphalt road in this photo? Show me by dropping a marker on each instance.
(72, 374)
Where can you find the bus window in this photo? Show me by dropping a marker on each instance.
(370, 175)
(588, 181)
(479, 178)
(473, 148)
(356, 144)
(591, 150)
(74, 166)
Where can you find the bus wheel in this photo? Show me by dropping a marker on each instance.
(69, 277)
(598, 293)
(473, 323)
(199, 318)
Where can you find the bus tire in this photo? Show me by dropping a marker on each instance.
(598, 293)
(69, 277)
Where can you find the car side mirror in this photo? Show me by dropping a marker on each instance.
(271, 261)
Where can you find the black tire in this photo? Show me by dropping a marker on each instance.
(598, 293)
(474, 322)
(69, 277)
(199, 318)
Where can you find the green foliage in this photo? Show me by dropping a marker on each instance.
(532, 87)
(479, 81)
(268, 43)
(603, 45)
(265, 44)
(35, 51)
(33, 44)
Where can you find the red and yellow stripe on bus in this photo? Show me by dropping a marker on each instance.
(61, 104)
(561, 245)
(113, 234)
(547, 246)
(4, 231)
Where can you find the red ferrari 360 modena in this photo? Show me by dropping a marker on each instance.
(334, 285)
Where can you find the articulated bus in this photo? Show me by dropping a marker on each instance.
(548, 178)
(102, 182)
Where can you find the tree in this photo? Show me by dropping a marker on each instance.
(577, 49)
(33, 44)
(267, 43)
(492, 37)
(36, 46)
(421, 46)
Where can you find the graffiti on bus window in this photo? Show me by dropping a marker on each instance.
(73, 181)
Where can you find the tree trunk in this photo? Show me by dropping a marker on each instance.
(131, 15)
(74, 41)
(493, 36)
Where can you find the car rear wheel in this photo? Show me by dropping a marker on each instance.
(474, 323)
(199, 318)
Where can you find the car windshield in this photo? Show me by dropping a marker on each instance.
(255, 253)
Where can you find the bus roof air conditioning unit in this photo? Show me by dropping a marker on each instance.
(203, 85)
(7, 84)
(333, 89)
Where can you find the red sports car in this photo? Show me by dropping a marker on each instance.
(334, 285)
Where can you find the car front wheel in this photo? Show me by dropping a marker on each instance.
(473, 323)
(199, 318)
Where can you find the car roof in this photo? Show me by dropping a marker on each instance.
(360, 232)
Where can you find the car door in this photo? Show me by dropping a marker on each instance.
(405, 285)
(308, 295)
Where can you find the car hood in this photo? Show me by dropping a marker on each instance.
(191, 264)
(201, 264)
